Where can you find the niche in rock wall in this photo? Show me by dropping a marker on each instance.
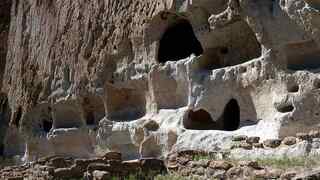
(17, 117)
(47, 125)
(67, 115)
(125, 104)
(304, 55)
(202, 120)
(178, 42)
(233, 45)
(93, 109)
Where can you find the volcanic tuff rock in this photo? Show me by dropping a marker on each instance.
(144, 77)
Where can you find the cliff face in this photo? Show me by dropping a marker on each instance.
(80, 74)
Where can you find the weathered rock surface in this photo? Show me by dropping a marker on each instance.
(147, 77)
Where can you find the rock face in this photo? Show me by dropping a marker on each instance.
(147, 76)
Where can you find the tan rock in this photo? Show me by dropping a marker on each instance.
(303, 136)
(289, 141)
(288, 175)
(314, 134)
(272, 143)
(112, 156)
(253, 140)
(101, 175)
(239, 138)
(225, 165)
(245, 145)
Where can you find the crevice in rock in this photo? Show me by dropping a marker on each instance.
(17, 117)
(303, 55)
(125, 104)
(178, 42)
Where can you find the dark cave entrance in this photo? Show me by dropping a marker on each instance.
(178, 42)
(1, 149)
(202, 120)
(90, 118)
(231, 116)
(47, 125)
(199, 120)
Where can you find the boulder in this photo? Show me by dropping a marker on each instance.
(253, 140)
(272, 143)
(225, 165)
(112, 156)
(289, 141)
(101, 175)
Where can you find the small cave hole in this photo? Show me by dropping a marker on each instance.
(293, 89)
(200, 120)
(90, 118)
(47, 125)
(285, 109)
(224, 50)
(231, 116)
(178, 42)
(1, 149)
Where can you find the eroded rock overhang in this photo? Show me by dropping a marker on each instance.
(97, 75)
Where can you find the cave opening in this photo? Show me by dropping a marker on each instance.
(200, 120)
(1, 149)
(17, 117)
(285, 108)
(47, 125)
(90, 118)
(231, 116)
(178, 42)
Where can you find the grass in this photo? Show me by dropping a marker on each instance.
(169, 177)
(280, 163)
(287, 162)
